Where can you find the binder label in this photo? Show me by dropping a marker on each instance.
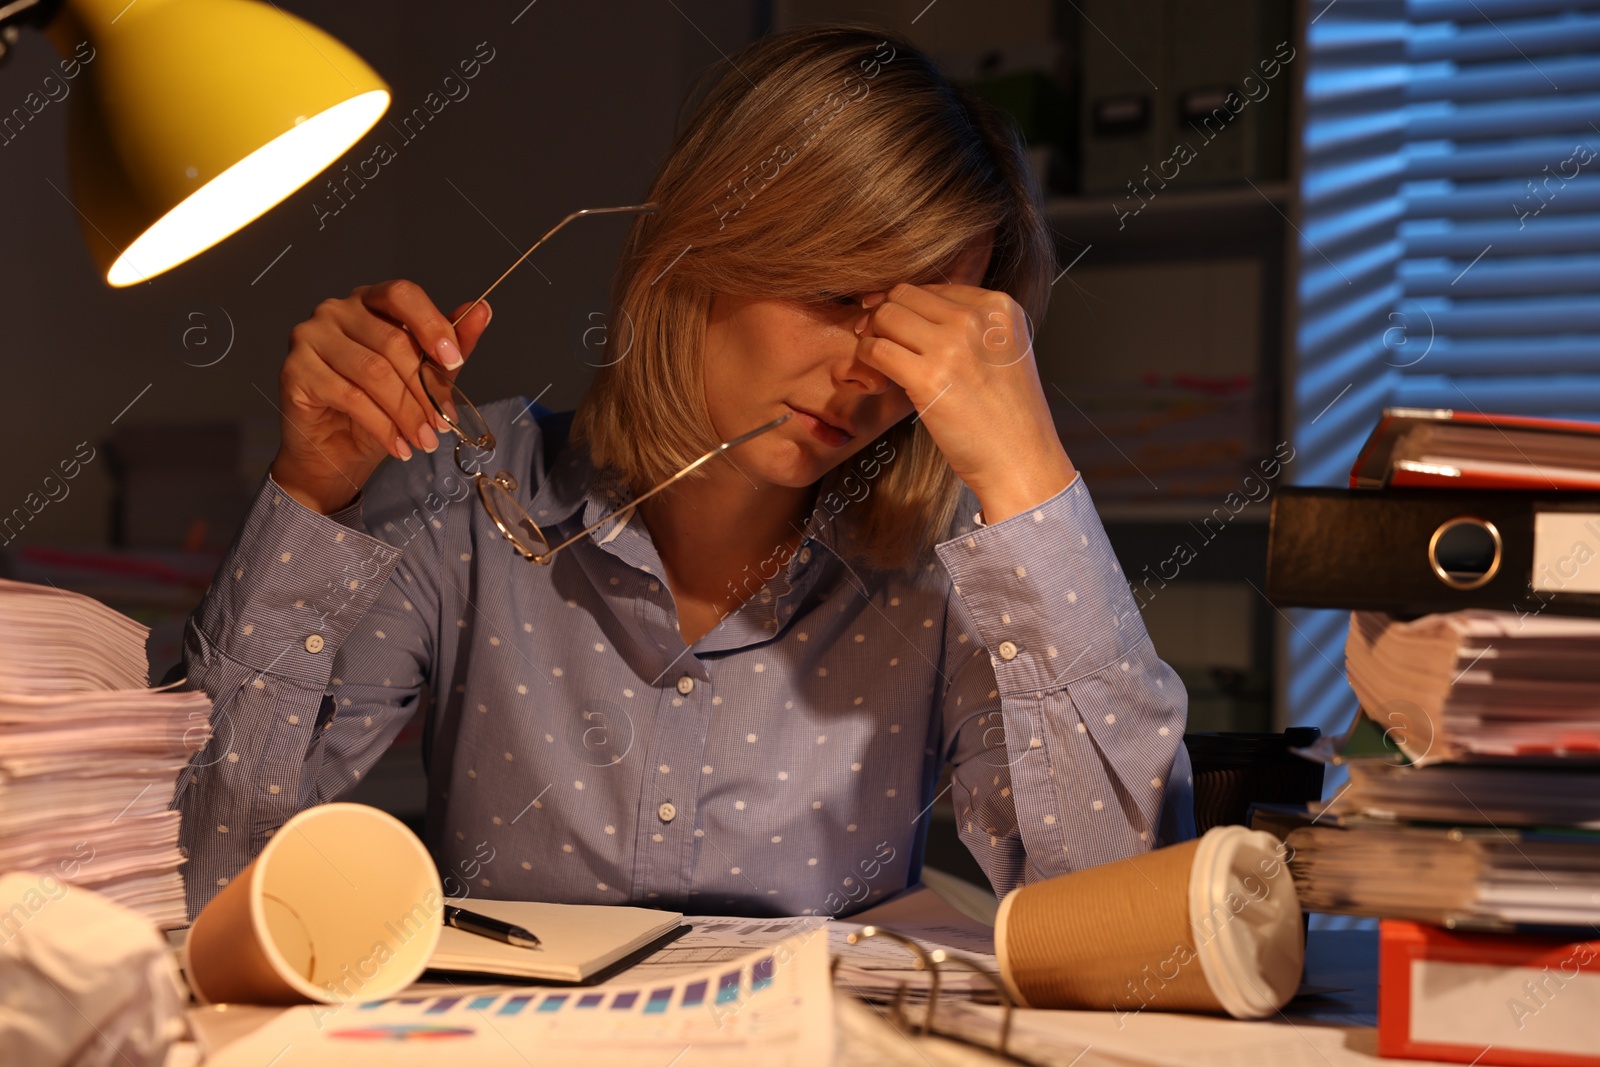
(1473, 1004)
(1566, 552)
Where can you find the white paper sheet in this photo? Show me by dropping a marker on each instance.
(776, 1000)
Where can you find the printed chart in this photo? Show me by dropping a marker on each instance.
(778, 996)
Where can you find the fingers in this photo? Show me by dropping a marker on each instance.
(375, 334)
(364, 362)
(405, 303)
(471, 327)
(326, 387)
(905, 326)
(932, 319)
(928, 338)
(926, 300)
(900, 365)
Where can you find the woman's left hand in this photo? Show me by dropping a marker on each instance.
(964, 357)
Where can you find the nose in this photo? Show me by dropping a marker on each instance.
(851, 372)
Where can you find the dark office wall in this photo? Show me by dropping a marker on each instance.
(576, 108)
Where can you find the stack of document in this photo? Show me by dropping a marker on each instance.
(1499, 793)
(1479, 683)
(1483, 808)
(89, 755)
(1423, 448)
(1466, 877)
(53, 641)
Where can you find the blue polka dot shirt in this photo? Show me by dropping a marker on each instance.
(577, 751)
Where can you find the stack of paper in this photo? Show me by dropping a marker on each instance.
(1485, 811)
(53, 641)
(88, 755)
(1479, 683)
(1503, 793)
(1479, 877)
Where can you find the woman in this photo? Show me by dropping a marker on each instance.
(739, 696)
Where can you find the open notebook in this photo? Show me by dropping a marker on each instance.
(578, 941)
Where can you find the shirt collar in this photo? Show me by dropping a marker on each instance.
(575, 483)
(566, 487)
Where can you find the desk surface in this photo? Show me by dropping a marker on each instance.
(1330, 1026)
(1345, 963)
(1333, 1025)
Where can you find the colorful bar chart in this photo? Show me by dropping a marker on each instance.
(770, 1006)
(730, 987)
(515, 1004)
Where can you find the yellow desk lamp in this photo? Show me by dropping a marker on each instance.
(192, 118)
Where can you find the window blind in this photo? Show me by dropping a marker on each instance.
(1449, 240)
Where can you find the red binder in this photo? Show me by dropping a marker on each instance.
(1419, 448)
(1510, 999)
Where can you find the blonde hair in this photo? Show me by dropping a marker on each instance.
(827, 159)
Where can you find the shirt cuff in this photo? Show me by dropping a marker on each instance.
(292, 586)
(1045, 593)
(349, 515)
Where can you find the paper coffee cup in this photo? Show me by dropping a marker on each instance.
(343, 904)
(1210, 925)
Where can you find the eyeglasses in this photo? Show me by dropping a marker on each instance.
(472, 432)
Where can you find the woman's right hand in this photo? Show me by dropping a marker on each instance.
(350, 393)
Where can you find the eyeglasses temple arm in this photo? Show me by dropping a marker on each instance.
(584, 211)
(719, 450)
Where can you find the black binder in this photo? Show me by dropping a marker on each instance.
(1415, 552)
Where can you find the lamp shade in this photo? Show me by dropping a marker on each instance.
(199, 116)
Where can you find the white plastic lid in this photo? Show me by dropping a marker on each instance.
(1245, 919)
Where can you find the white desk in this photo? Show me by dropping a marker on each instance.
(1336, 1028)
(1333, 1028)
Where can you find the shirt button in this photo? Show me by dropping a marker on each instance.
(314, 643)
(667, 811)
(1008, 650)
(686, 685)
(805, 555)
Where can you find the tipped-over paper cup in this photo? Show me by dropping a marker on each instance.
(1210, 925)
(343, 904)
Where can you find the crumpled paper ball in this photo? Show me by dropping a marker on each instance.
(83, 981)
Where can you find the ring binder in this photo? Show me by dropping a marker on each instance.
(930, 962)
(1426, 551)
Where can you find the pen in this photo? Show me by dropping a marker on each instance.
(484, 926)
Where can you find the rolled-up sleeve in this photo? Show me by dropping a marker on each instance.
(265, 644)
(1065, 727)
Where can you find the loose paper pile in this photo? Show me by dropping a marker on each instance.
(89, 755)
(1482, 877)
(1489, 813)
(1479, 683)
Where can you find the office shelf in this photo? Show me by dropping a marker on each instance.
(1176, 223)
